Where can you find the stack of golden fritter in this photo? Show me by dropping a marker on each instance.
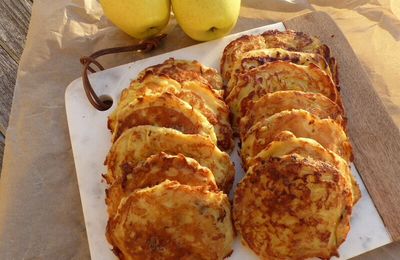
(296, 198)
(167, 167)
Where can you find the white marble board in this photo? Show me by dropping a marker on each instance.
(90, 140)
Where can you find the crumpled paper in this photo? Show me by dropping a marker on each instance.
(40, 210)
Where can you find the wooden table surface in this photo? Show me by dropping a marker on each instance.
(14, 23)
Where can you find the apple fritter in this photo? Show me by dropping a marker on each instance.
(172, 221)
(302, 124)
(288, 40)
(198, 95)
(156, 169)
(255, 58)
(278, 76)
(272, 103)
(165, 110)
(138, 143)
(292, 207)
(286, 143)
(299, 41)
(184, 70)
(295, 41)
(235, 49)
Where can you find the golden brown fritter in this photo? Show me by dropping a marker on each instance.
(165, 110)
(172, 221)
(299, 41)
(271, 103)
(288, 40)
(156, 169)
(292, 207)
(278, 76)
(295, 41)
(286, 143)
(255, 58)
(183, 70)
(235, 49)
(302, 124)
(140, 142)
(198, 95)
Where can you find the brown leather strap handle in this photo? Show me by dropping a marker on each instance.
(86, 61)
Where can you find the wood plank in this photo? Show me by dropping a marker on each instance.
(1, 152)
(375, 137)
(388, 252)
(14, 23)
(8, 73)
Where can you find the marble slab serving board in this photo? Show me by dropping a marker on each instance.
(90, 140)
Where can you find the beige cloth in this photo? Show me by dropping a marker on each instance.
(40, 210)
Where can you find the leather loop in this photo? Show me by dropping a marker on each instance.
(86, 61)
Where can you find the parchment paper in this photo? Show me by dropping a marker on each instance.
(40, 210)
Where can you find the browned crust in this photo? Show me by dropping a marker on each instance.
(172, 221)
(289, 40)
(278, 76)
(296, 41)
(138, 143)
(302, 124)
(234, 48)
(286, 143)
(165, 110)
(285, 208)
(200, 96)
(256, 58)
(183, 70)
(271, 103)
(154, 170)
